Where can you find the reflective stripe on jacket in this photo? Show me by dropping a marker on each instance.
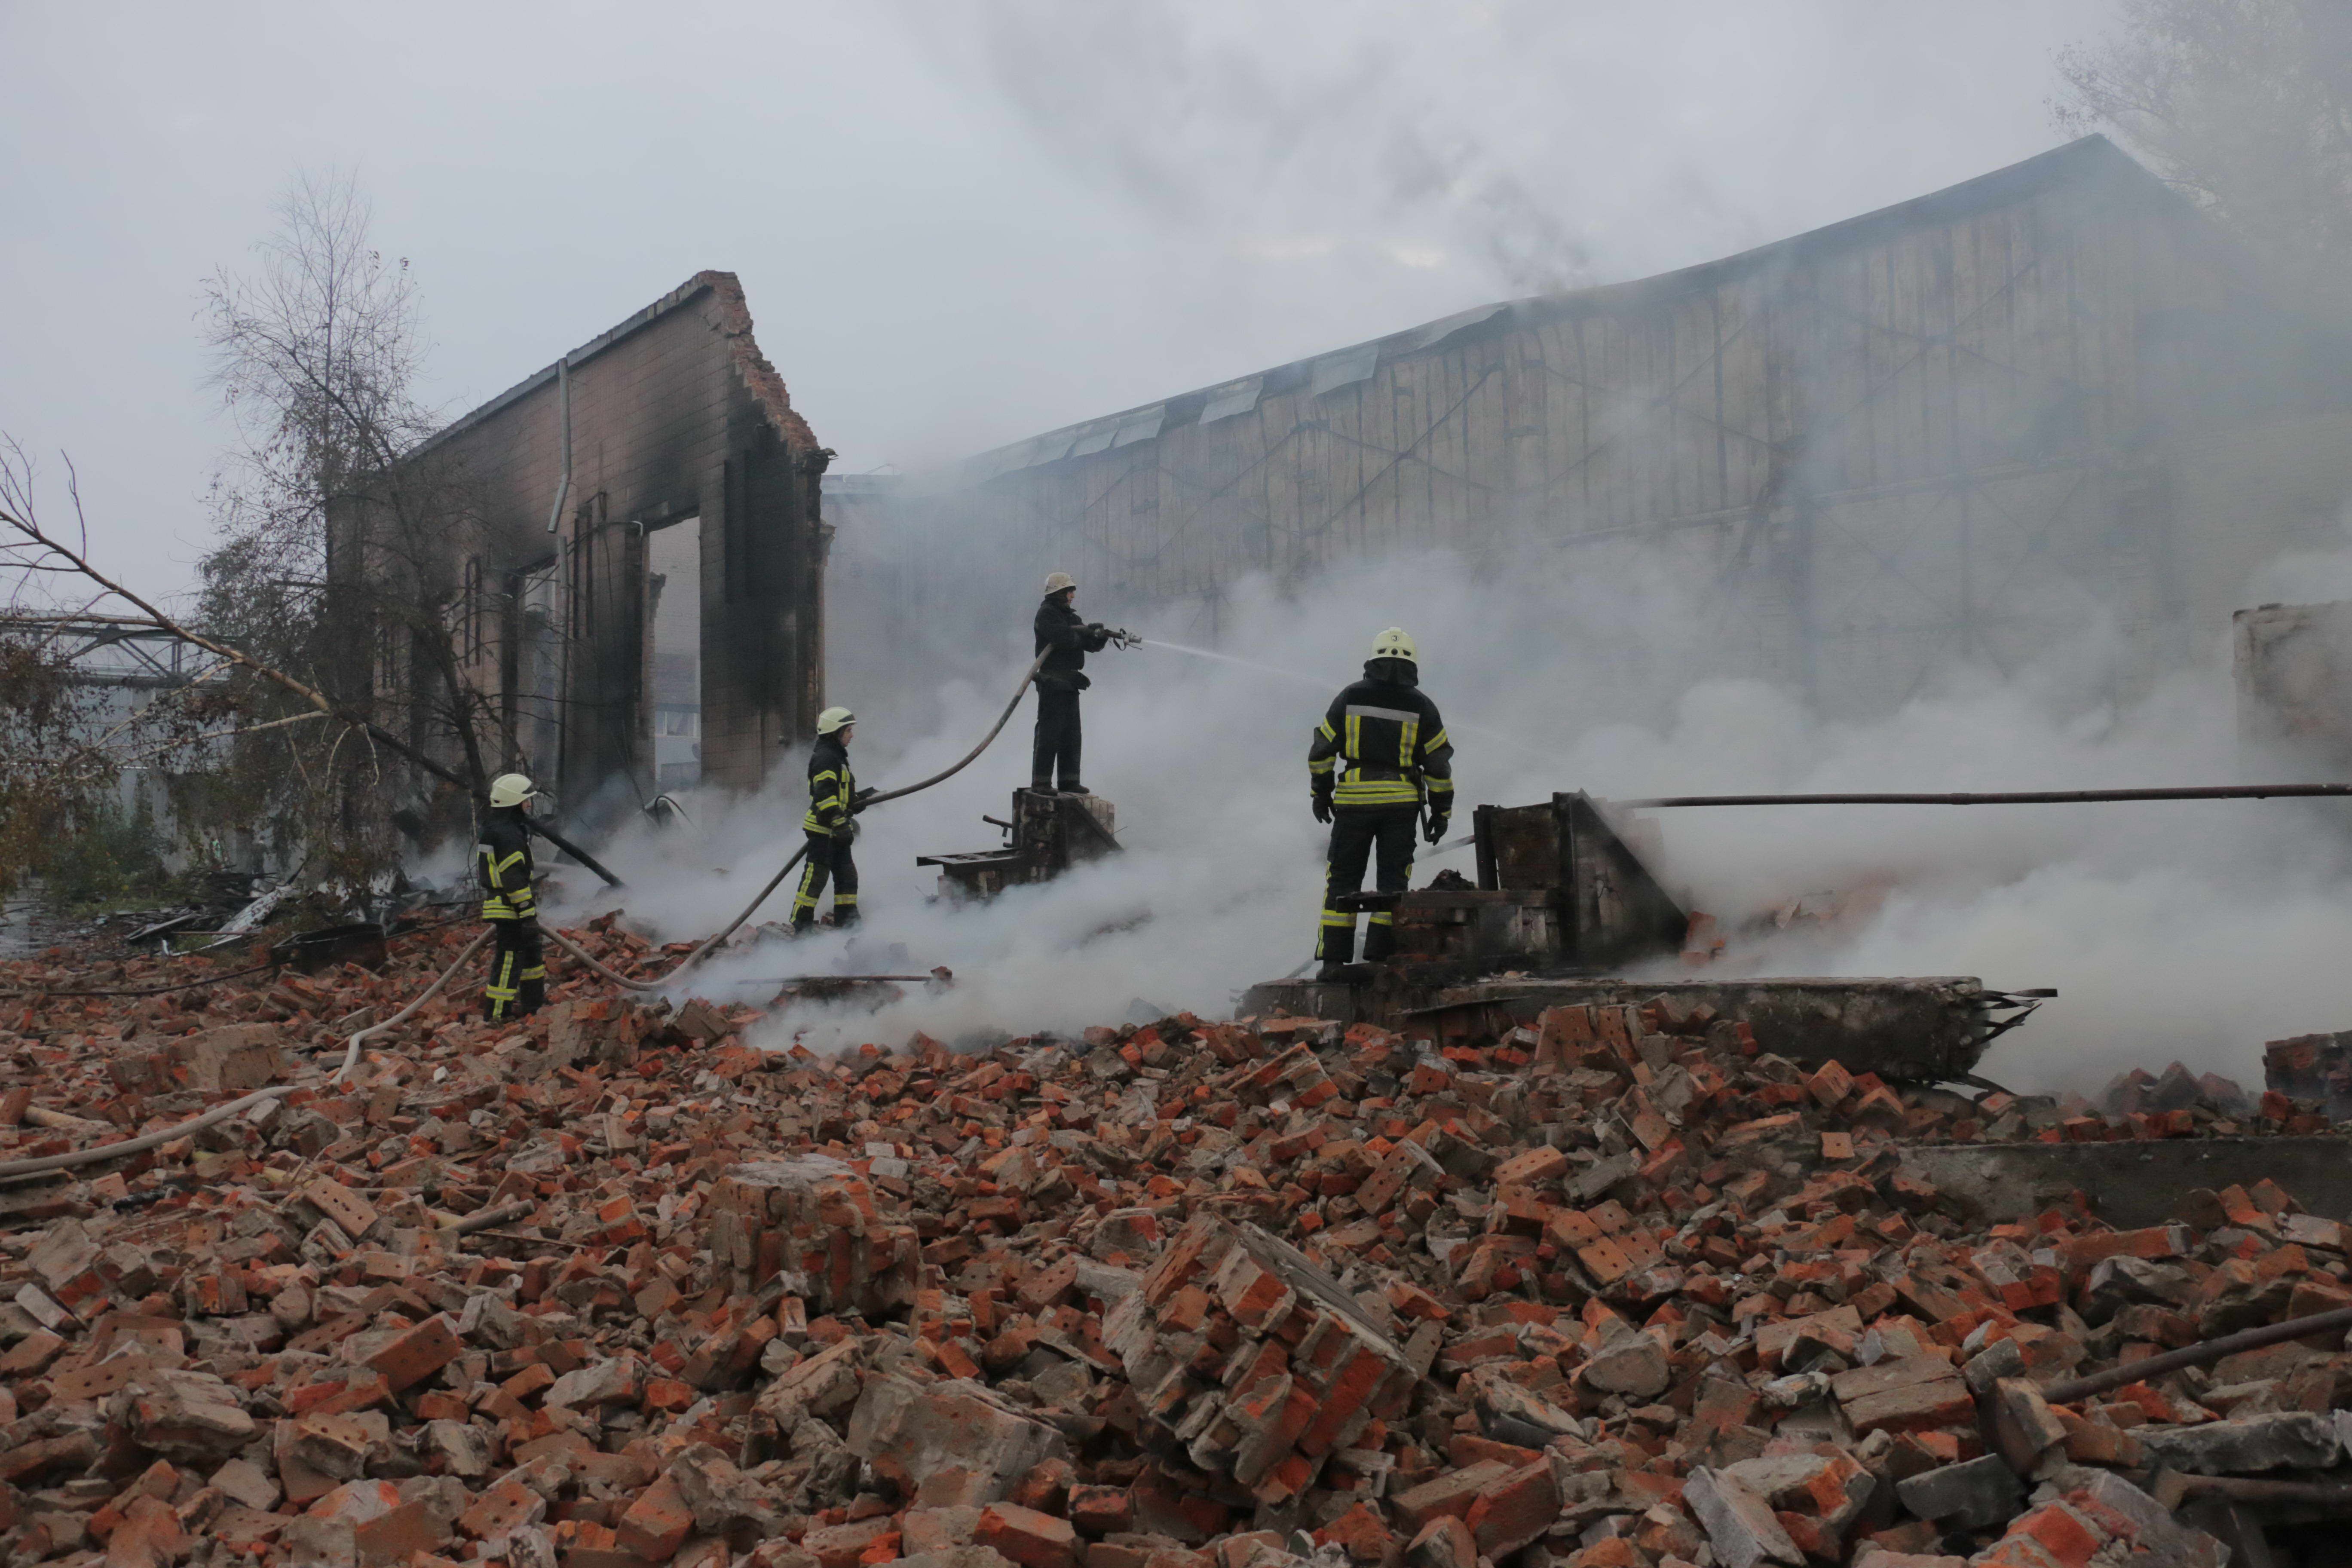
(502, 865)
(1382, 744)
(829, 786)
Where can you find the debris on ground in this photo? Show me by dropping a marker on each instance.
(613, 1287)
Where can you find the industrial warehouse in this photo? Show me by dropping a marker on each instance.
(1686, 923)
(1958, 427)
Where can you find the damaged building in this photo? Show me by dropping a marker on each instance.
(640, 556)
(2052, 400)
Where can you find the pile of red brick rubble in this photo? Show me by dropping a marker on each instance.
(615, 1289)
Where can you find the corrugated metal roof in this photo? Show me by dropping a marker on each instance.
(1095, 438)
(1438, 331)
(1140, 425)
(1234, 397)
(1345, 368)
(2092, 159)
(1050, 448)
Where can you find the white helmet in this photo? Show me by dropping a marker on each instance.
(1394, 643)
(833, 718)
(511, 789)
(1055, 582)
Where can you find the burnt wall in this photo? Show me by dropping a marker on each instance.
(675, 415)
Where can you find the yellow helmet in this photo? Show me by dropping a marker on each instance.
(833, 718)
(1057, 581)
(1394, 643)
(511, 789)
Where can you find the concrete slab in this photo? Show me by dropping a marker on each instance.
(2135, 1183)
(1914, 1028)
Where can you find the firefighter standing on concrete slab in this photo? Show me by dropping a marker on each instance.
(831, 824)
(518, 982)
(1059, 681)
(1380, 754)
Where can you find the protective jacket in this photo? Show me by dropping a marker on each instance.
(1059, 628)
(1383, 745)
(831, 788)
(502, 865)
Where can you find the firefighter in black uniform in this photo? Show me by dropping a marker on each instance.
(1059, 681)
(1378, 756)
(518, 982)
(831, 824)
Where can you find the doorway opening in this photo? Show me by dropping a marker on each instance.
(674, 650)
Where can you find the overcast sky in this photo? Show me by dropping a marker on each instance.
(958, 223)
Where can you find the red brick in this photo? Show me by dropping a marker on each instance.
(500, 1510)
(1511, 1511)
(394, 1537)
(1100, 1511)
(1444, 1542)
(658, 1522)
(843, 1545)
(1029, 1538)
(2059, 1530)
(1362, 1532)
(418, 1353)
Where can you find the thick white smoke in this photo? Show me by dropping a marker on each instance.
(2195, 930)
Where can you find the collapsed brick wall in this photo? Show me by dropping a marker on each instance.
(610, 1288)
(675, 414)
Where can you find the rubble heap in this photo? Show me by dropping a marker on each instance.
(614, 1289)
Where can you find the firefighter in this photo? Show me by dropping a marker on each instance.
(835, 801)
(1379, 756)
(1059, 681)
(518, 982)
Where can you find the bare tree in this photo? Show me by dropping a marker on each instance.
(31, 551)
(2246, 105)
(67, 734)
(334, 592)
(316, 354)
(339, 539)
(52, 779)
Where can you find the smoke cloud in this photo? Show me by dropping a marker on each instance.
(2193, 929)
(1594, 144)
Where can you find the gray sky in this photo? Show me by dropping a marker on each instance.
(957, 224)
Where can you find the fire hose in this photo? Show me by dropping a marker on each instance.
(44, 1164)
(708, 945)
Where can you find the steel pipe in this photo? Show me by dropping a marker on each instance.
(2005, 797)
(2334, 1322)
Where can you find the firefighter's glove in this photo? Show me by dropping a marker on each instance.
(1322, 808)
(864, 798)
(846, 833)
(1436, 828)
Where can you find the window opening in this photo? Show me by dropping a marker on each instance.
(471, 612)
(674, 626)
(539, 675)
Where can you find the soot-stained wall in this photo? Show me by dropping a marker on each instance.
(674, 414)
